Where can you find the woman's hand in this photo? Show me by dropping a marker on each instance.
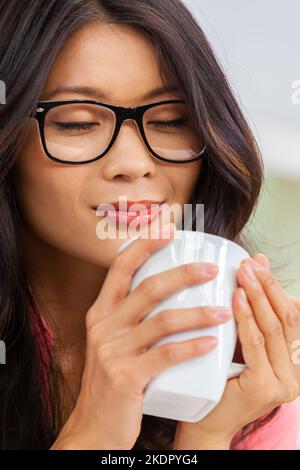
(118, 364)
(269, 332)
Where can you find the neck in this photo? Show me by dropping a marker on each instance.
(65, 287)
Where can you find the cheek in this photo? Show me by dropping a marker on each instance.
(183, 180)
(49, 193)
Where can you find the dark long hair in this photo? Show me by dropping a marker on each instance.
(230, 181)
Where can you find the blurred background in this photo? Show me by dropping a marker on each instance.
(257, 44)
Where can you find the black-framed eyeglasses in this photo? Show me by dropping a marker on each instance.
(75, 132)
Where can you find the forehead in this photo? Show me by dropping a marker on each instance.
(118, 59)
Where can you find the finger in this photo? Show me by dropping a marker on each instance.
(168, 322)
(158, 359)
(262, 259)
(119, 277)
(251, 338)
(267, 321)
(156, 288)
(283, 306)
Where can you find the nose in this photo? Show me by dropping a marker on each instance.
(128, 159)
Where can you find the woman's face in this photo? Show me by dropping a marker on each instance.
(57, 199)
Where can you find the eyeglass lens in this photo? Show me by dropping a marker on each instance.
(80, 132)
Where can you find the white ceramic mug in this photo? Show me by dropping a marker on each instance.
(190, 390)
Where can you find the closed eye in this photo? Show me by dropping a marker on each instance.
(174, 123)
(75, 126)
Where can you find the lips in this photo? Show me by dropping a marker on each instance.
(126, 206)
(143, 211)
(139, 205)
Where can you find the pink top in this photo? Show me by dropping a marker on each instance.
(280, 433)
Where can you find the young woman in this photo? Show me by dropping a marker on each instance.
(77, 75)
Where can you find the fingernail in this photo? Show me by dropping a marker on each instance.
(210, 268)
(266, 261)
(221, 314)
(210, 341)
(256, 266)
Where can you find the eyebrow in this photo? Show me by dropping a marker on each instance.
(101, 94)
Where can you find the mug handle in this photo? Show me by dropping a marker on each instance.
(235, 370)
